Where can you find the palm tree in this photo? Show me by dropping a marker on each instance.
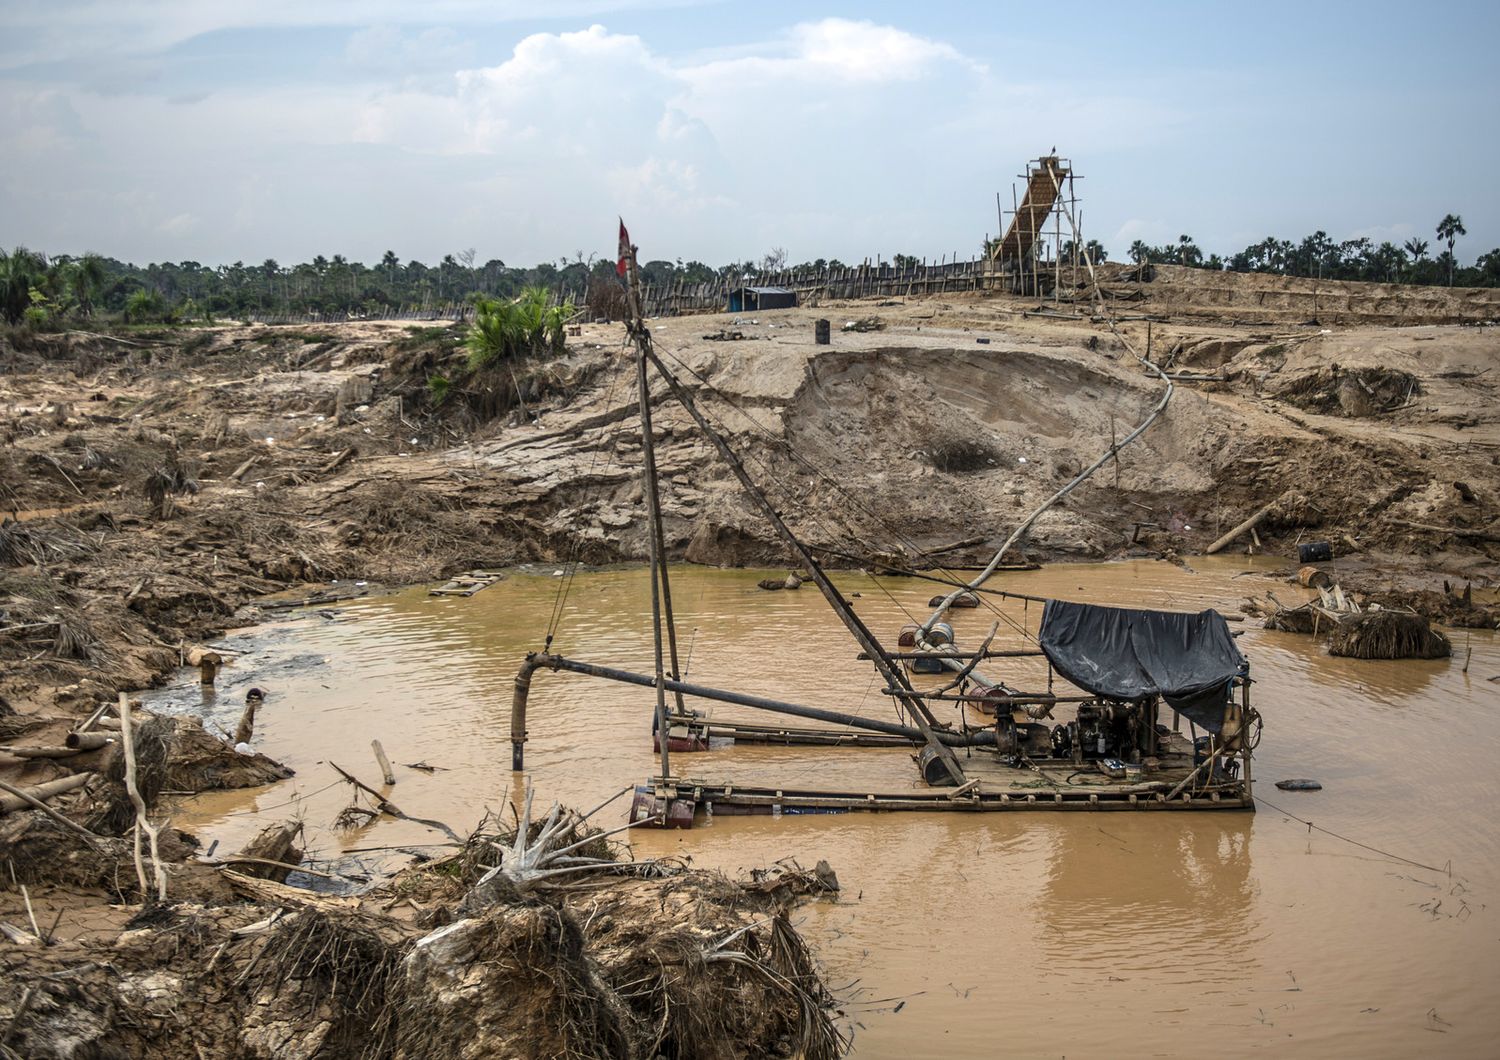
(1449, 229)
(389, 262)
(270, 269)
(20, 271)
(83, 279)
(1417, 248)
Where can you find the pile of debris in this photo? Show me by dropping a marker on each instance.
(1351, 392)
(1353, 631)
(538, 939)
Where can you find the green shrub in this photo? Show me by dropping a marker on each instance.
(504, 331)
(145, 306)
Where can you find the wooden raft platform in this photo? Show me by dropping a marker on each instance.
(468, 584)
(992, 786)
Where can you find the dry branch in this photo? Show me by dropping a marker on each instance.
(386, 806)
(142, 822)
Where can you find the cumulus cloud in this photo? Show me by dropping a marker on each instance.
(833, 137)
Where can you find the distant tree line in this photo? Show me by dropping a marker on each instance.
(1352, 259)
(39, 290)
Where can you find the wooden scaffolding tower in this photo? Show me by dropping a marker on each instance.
(1030, 247)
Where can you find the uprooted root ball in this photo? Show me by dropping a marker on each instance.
(1388, 635)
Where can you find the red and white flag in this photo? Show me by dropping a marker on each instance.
(624, 249)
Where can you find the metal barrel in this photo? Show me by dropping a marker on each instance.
(1314, 578)
(821, 332)
(1314, 552)
(940, 633)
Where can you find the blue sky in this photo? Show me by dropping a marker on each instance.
(216, 131)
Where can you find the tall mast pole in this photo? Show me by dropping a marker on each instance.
(661, 592)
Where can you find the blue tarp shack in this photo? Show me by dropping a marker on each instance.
(754, 299)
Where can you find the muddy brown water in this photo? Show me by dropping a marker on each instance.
(1026, 934)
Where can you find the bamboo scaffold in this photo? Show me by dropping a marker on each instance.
(1055, 175)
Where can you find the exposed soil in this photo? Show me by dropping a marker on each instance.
(162, 487)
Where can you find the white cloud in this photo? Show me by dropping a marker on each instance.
(832, 50)
(49, 30)
(834, 138)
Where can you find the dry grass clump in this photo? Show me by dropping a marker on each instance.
(200, 761)
(1388, 635)
(39, 850)
(38, 614)
(165, 481)
(514, 982)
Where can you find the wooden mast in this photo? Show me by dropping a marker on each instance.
(661, 592)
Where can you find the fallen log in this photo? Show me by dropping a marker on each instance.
(95, 718)
(239, 472)
(41, 752)
(1248, 524)
(273, 893)
(94, 841)
(938, 550)
(387, 807)
(285, 866)
(42, 792)
(88, 741)
(19, 936)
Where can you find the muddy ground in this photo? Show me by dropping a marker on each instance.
(162, 486)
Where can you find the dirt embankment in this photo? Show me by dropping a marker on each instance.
(162, 482)
(158, 486)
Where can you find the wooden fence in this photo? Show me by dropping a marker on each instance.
(854, 281)
(712, 296)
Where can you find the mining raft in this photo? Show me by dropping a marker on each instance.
(1143, 710)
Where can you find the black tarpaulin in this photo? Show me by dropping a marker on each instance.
(1126, 654)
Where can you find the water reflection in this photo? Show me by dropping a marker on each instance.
(1174, 901)
(1037, 933)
